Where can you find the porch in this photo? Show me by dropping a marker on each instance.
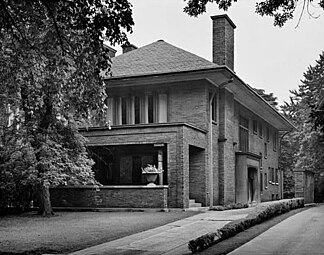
(247, 181)
(120, 154)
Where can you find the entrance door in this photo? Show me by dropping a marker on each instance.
(251, 184)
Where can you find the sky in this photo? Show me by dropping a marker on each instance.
(266, 57)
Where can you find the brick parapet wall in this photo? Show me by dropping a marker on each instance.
(176, 136)
(304, 185)
(110, 197)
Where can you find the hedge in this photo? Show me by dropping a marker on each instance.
(261, 213)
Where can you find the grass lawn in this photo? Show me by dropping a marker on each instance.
(70, 231)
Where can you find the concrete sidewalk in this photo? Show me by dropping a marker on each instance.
(169, 239)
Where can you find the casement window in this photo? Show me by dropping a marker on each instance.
(275, 140)
(138, 109)
(260, 129)
(267, 134)
(214, 109)
(265, 180)
(261, 181)
(273, 178)
(243, 134)
(255, 127)
(265, 150)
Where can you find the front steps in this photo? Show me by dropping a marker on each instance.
(192, 203)
(193, 206)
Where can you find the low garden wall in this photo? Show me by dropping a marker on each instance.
(261, 213)
(110, 196)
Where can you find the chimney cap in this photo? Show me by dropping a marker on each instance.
(129, 45)
(222, 16)
(110, 48)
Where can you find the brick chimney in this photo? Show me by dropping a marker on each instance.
(111, 51)
(223, 40)
(128, 47)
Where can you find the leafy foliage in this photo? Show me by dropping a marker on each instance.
(304, 147)
(314, 82)
(260, 214)
(270, 98)
(280, 11)
(17, 171)
(52, 59)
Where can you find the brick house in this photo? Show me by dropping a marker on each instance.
(215, 138)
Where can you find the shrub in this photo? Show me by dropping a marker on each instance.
(229, 207)
(261, 213)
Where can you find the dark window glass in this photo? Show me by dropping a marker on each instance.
(265, 150)
(214, 109)
(150, 109)
(265, 180)
(244, 135)
(261, 181)
(260, 129)
(255, 126)
(124, 110)
(275, 140)
(268, 134)
(137, 110)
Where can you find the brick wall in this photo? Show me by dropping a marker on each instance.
(304, 185)
(176, 138)
(187, 103)
(197, 175)
(223, 41)
(227, 137)
(256, 145)
(110, 197)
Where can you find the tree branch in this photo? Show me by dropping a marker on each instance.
(50, 12)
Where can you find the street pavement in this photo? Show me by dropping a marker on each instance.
(170, 239)
(300, 234)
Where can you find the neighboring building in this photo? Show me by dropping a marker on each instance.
(214, 136)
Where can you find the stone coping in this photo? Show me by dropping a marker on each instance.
(112, 187)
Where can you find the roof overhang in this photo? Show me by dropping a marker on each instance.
(220, 76)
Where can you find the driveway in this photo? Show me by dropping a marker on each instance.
(301, 234)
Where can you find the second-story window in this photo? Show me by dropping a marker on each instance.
(255, 127)
(265, 150)
(243, 134)
(267, 134)
(138, 109)
(275, 140)
(137, 106)
(214, 109)
(260, 129)
(276, 176)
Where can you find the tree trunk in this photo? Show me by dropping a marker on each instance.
(45, 207)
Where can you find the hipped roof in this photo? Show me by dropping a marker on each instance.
(161, 59)
(155, 58)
